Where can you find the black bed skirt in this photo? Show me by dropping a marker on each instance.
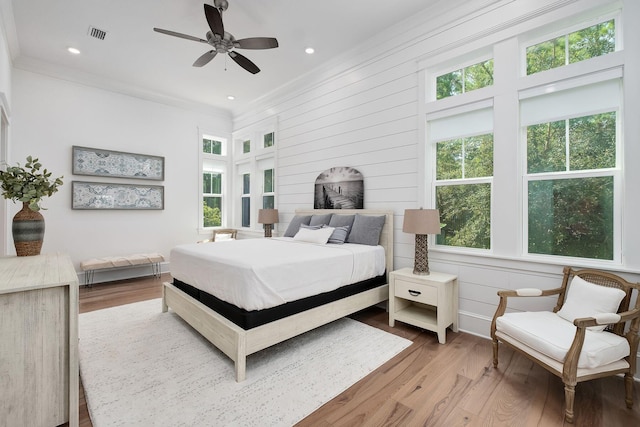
(251, 319)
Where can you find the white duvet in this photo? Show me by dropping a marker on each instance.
(255, 274)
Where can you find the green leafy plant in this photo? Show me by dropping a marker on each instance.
(28, 183)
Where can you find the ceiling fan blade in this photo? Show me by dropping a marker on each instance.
(182, 36)
(256, 43)
(205, 58)
(244, 62)
(214, 19)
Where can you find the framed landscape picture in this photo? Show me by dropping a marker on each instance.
(339, 188)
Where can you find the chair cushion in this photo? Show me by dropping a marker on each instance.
(585, 299)
(552, 336)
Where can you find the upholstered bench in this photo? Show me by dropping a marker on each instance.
(91, 265)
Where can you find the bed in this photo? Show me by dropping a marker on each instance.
(220, 324)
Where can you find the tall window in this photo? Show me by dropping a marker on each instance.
(214, 165)
(465, 79)
(571, 171)
(212, 198)
(577, 46)
(463, 177)
(246, 200)
(268, 194)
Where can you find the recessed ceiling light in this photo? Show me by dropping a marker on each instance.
(309, 50)
(231, 97)
(73, 50)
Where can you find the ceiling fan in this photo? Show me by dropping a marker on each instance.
(222, 41)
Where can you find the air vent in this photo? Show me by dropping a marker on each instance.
(97, 33)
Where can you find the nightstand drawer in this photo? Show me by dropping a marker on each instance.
(416, 292)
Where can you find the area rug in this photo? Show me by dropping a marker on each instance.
(141, 367)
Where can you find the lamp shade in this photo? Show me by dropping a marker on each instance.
(267, 216)
(421, 221)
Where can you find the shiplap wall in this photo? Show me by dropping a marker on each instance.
(365, 112)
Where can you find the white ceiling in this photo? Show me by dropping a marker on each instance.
(133, 56)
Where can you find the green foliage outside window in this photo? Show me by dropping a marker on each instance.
(465, 209)
(597, 40)
(246, 146)
(473, 77)
(211, 146)
(212, 208)
(572, 217)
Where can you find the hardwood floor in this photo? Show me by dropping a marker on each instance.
(430, 384)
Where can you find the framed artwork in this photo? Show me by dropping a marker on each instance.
(117, 164)
(105, 195)
(339, 188)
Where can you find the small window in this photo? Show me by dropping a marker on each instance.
(464, 80)
(269, 139)
(246, 146)
(597, 40)
(211, 146)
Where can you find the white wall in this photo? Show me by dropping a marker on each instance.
(365, 112)
(52, 115)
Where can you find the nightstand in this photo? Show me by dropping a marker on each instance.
(429, 302)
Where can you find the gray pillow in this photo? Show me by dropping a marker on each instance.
(320, 219)
(294, 225)
(339, 234)
(338, 220)
(311, 227)
(366, 230)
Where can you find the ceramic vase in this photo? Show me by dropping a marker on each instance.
(28, 231)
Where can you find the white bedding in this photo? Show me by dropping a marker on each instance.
(255, 274)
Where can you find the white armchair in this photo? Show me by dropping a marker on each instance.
(591, 332)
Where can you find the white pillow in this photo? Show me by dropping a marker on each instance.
(320, 235)
(585, 299)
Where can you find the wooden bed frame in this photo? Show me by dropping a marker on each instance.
(238, 343)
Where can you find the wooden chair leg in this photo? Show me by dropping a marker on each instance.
(495, 353)
(628, 389)
(569, 395)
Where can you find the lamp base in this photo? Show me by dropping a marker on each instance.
(267, 230)
(421, 258)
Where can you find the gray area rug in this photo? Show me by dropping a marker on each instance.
(141, 367)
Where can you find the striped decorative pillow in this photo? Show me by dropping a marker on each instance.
(339, 235)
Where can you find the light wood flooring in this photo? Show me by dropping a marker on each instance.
(430, 384)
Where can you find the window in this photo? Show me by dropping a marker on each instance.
(212, 198)
(246, 146)
(269, 139)
(572, 169)
(211, 146)
(597, 40)
(246, 200)
(464, 80)
(213, 161)
(463, 177)
(268, 197)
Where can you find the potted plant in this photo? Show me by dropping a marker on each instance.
(28, 185)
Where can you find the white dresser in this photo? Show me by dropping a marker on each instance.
(38, 341)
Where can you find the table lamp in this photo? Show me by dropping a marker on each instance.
(421, 222)
(268, 217)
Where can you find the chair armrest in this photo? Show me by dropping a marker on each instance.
(529, 292)
(607, 318)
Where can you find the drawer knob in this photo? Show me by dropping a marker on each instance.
(414, 293)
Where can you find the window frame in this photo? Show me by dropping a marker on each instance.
(217, 163)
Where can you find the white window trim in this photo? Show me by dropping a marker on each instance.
(222, 161)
